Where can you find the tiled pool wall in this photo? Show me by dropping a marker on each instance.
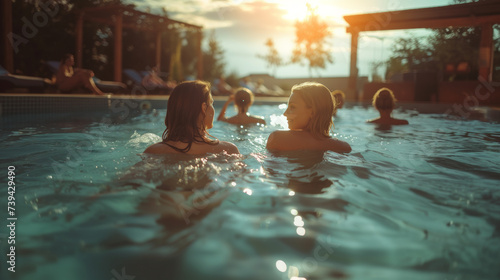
(16, 106)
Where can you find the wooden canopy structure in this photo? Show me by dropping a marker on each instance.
(483, 14)
(6, 14)
(127, 17)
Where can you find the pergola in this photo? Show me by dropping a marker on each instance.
(113, 15)
(127, 17)
(483, 14)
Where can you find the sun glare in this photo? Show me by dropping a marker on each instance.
(297, 10)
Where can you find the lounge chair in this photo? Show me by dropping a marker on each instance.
(33, 84)
(133, 76)
(105, 86)
(136, 78)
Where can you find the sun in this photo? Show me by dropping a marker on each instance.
(297, 10)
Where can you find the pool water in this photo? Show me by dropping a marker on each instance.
(410, 202)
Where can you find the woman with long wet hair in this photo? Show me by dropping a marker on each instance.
(190, 114)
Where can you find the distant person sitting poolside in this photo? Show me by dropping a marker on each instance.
(339, 98)
(69, 79)
(190, 114)
(384, 101)
(243, 99)
(221, 87)
(260, 88)
(246, 82)
(309, 115)
(153, 81)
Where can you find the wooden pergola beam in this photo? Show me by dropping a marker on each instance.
(486, 52)
(79, 40)
(428, 23)
(117, 34)
(7, 30)
(158, 50)
(132, 13)
(199, 63)
(128, 25)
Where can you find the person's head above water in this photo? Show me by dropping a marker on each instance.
(190, 113)
(339, 97)
(310, 119)
(310, 108)
(243, 99)
(384, 100)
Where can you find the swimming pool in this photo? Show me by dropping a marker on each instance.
(410, 202)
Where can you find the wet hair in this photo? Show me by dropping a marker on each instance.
(65, 57)
(184, 108)
(384, 99)
(338, 97)
(317, 97)
(243, 99)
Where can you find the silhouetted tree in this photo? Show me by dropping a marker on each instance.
(190, 53)
(273, 59)
(311, 40)
(213, 59)
(410, 54)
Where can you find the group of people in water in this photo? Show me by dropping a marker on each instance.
(310, 112)
(190, 114)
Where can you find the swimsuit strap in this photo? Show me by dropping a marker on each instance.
(177, 149)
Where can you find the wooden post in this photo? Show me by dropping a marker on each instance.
(486, 52)
(200, 55)
(79, 40)
(7, 29)
(118, 46)
(158, 50)
(353, 72)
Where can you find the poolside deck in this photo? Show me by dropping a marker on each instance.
(33, 103)
(12, 104)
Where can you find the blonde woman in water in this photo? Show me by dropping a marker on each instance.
(309, 115)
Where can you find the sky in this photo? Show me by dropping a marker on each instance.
(242, 27)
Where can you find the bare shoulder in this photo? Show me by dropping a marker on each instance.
(228, 147)
(157, 148)
(232, 120)
(258, 120)
(338, 146)
(400, 122)
(278, 134)
(277, 140)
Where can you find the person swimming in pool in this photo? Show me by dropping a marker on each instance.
(190, 114)
(243, 99)
(384, 101)
(339, 97)
(309, 115)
